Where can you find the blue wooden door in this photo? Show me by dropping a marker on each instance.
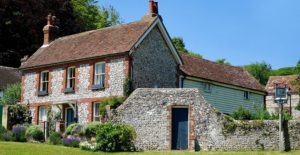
(70, 116)
(179, 128)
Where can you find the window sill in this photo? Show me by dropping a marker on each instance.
(69, 91)
(42, 93)
(97, 87)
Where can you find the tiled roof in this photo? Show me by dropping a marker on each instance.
(226, 74)
(86, 45)
(8, 76)
(286, 80)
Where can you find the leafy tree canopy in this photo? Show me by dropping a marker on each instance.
(12, 94)
(180, 46)
(283, 71)
(261, 71)
(89, 16)
(22, 21)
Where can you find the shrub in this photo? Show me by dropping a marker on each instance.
(88, 146)
(71, 141)
(18, 133)
(2, 132)
(91, 129)
(229, 125)
(34, 132)
(285, 115)
(18, 114)
(55, 138)
(74, 129)
(241, 114)
(115, 137)
(7, 136)
(114, 102)
(261, 114)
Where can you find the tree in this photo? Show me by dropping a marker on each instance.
(12, 94)
(297, 68)
(260, 71)
(179, 44)
(22, 21)
(222, 61)
(89, 16)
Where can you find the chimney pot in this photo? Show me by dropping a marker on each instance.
(50, 30)
(49, 19)
(153, 7)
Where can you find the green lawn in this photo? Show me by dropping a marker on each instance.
(12, 148)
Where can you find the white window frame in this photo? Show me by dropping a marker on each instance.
(246, 95)
(95, 110)
(207, 87)
(69, 78)
(42, 81)
(101, 75)
(42, 114)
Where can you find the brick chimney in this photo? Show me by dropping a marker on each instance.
(153, 7)
(50, 30)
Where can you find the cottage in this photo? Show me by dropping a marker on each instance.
(293, 97)
(72, 74)
(225, 87)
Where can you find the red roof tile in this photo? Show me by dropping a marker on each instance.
(96, 43)
(205, 69)
(286, 80)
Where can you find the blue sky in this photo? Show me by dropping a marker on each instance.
(241, 31)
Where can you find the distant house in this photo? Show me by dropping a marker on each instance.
(293, 97)
(8, 76)
(225, 87)
(72, 74)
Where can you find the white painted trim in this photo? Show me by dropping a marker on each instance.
(166, 37)
(225, 85)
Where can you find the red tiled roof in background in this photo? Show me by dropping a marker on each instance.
(205, 69)
(286, 80)
(101, 42)
(9, 76)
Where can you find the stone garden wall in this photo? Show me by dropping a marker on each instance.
(149, 112)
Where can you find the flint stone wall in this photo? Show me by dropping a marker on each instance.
(148, 111)
(153, 65)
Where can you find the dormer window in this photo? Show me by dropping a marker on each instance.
(70, 87)
(44, 81)
(99, 76)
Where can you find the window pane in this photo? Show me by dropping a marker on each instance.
(102, 80)
(96, 112)
(44, 81)
(42, 114)
(71, 77)
(99, 74)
